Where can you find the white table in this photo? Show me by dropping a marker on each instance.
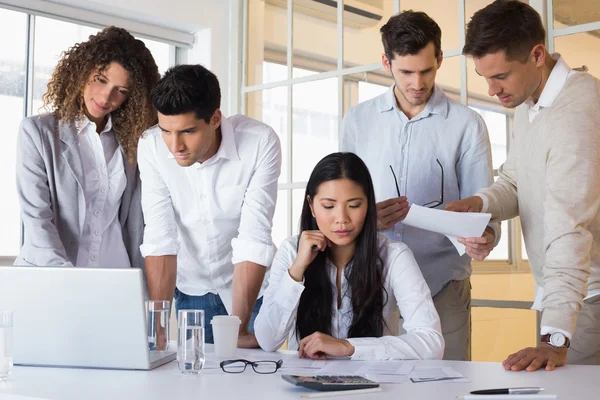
(166, 382)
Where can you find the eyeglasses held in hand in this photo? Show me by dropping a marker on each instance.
(260, 367)
(431, 204)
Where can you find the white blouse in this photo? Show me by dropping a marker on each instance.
(407, 295)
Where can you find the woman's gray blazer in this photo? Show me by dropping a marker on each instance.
(50, 188)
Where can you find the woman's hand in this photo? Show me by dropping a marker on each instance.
(311, 242)
(320, 346)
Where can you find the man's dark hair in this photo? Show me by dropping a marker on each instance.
(408, 33)
(187, 88)
(505, 25)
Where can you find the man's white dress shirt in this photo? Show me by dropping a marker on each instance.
(214, 214)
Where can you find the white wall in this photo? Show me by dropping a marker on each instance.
(208, 19)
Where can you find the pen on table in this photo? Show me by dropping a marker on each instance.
(518, 390)
(341, 393)
(508, 396)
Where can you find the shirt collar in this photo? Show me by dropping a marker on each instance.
(81, 125)
(554, 84)
(437, 104)
(227, 148)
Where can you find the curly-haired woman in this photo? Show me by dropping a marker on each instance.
(77, 179)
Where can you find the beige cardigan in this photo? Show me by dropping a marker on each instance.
(551, 178)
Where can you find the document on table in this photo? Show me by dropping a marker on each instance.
(436, 374)
(449, 223)
(346, 367)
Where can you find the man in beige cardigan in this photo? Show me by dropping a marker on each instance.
(551, 178)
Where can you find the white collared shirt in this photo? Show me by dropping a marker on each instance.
(407, 292)
(101, 241)
(559, 75)
(214, 214)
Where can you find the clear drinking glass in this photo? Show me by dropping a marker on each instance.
(190, 341)
(158, 314)
(6, 338)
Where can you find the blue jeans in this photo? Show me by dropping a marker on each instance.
(212, 305)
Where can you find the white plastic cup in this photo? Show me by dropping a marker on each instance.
(225, 334)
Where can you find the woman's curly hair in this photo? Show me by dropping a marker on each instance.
(112, 44)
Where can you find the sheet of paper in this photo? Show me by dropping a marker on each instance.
(366, 367)
(383, 378)
(436, 374)
(6, 396)
(451, 224)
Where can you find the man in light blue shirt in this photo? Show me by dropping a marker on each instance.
(437, 151)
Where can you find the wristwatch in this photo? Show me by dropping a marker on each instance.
(556, 339)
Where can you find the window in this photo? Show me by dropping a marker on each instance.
(50, 38)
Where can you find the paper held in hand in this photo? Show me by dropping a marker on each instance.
(449, 223)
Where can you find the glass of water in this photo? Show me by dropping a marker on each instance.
(158, 314)
(190, 341)
(6, 332)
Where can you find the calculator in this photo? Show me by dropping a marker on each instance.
(330, 382)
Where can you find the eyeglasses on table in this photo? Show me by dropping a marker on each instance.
(431, 204)
(260, 367)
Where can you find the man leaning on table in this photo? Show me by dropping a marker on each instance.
(209, 187)
(551, 178)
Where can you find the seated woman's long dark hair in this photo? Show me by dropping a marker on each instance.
(365, 276)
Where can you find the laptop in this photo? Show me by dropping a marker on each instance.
(79, 317)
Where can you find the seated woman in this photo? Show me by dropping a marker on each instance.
(77, 176)
(339, 288)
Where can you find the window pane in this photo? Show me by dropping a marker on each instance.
(362, 22)
(575, 12)
(52, 38)
(581, 49)
(13, 25)
(280, 219)
(270, 106)
(161, 52)
(315, 124)
(297, 203)
(496, 125)
(500, 252)
(367, 91)
(315, 44)
(448, 77)
(266, 39)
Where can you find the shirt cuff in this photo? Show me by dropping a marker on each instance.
(289, 292)
(548, 330)
(486, 202)
(366, 350)
(256, 252)
(169, 248)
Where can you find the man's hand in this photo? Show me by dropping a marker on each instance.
(470, 204)
(478, 248)
(319, 346)
(247, 340)
(533, 358)
(391, 211)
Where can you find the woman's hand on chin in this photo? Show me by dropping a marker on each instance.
(320, 346)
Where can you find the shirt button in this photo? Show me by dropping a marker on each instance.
(96, 212)
(103, 190)
(97, 232)
(93, 257)
(398, 234)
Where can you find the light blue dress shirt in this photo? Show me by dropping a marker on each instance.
(378, 132)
